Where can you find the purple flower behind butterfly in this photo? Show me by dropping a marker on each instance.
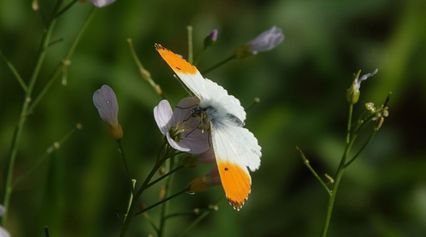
(182, 130)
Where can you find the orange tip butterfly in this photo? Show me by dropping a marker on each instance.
(235, 148)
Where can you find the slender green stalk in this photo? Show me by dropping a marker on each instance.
(372, 134)
(190, 45)
(133, 183)
(159, 161)
(339, 173)
(165, 176)
(123, 157)
(194, 223)
(178, 214)
(14, 72)
(23, 116)
(64, 9)
(166, 189)
(185, 190)
(145, 74)
(219, 64)
(349, 126)
(307, 164)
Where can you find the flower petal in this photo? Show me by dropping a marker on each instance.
(196, 140)
(163, 114)
(4, 233)
(183, 110)
(175, 144)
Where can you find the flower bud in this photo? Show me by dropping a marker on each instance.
(353, 92)
(265, 41)
(211, 38)
(369, 106)
(352, 95)
(106, 103)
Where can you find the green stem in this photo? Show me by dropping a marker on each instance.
(123, 157)
(339, 174)
(190, 45)
(23, 116)
(218, 64)
(185, 190)
(348, 128)
(145, 74)
(133, 184)
(189, 213)
(64, 9)
(139, 192)
(166, 189)
(14, 72)
(372, 134)
(307, 164)
(164, 176)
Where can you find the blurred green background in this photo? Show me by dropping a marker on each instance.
(82, 189)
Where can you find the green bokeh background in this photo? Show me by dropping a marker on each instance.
(81, 188)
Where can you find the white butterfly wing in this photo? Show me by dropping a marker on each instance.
(209, 92)
(235, 149)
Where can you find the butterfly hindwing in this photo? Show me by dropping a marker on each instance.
(235, 149)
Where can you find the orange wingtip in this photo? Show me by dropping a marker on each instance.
(176, 62)
(236, 183)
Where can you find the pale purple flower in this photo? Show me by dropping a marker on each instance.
(266, 41)
(4, 233)
(105, 102)
(101, 3)
(182, 129)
